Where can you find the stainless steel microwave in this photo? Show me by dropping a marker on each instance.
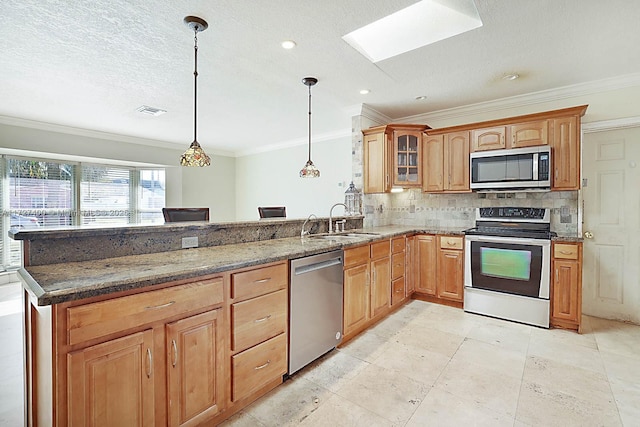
(515, 169)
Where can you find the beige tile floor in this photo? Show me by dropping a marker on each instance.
(429, 365)
(433, 365)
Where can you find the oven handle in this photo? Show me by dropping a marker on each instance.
(512, 240)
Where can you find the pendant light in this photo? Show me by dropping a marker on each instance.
(195, 155)
(309, 170)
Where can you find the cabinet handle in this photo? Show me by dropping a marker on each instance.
(565, 252)
(387, 179)
(262, 320)
(174, 361)
(374, 276)
(367, 278)
(556, 275)
(263, 280)
(398, 291)
(156, 307)
(263, 366)
(150, 363)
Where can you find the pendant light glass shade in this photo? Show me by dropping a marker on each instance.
(195, 155)
(309, 170)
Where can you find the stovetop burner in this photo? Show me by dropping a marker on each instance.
(531, 223)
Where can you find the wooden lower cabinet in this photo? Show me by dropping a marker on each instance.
(426, 261)
(186, 353)
(112, 383)
(450, 274)
(440, 266)
(566, 290)
(380, 286)
(195, 374)
(356, 298)
(368, 293)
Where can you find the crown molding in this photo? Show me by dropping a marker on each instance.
(375, 115)
(605, 125)
(534, 98)
(329, 136)
(70, 130)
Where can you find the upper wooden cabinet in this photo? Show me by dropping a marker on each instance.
(392, 157)
(493, 138)
(565, 153)
(446, 162)
(407, 155)
(376, 160)
(528, 134)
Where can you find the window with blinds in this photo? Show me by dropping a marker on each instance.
(37, 194)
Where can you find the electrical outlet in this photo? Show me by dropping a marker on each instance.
(189, 242)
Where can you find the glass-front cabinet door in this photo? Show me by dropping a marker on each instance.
(407, 171)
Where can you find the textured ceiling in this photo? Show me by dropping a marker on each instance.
(91, 64)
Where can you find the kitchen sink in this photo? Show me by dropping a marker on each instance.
(342, 236)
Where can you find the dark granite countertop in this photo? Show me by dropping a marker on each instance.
(57, 283)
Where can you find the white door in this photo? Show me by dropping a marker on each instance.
(611, 269)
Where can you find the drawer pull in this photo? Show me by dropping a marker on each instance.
(398, 291)
(175, 353)
(566, 252)
(263, 366)
(263, 280)
(150, 362)
(155, 307)
(262, 320)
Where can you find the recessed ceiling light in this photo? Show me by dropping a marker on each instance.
(288, 44)
(152, 111)
(421, 98)
(364, 91)
(512, 76)
(420, 24)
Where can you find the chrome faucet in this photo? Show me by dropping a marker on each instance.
(331, 215)
(302, 232)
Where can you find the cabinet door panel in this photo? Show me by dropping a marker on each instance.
(433, 161)
(488, 138)
(565, 290)
(380, 286)
(427, 264)
(356, 297)
(112, 384)
(565, 154)
(456, 160)
(376, 169)
(529, 134)
(450, 270)
(195, 376)
(406, 158)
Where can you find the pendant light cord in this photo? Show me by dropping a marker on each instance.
(309, 123)
(195, 86)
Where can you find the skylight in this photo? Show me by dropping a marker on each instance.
(420, 24)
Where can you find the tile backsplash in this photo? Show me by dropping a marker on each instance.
(413, 207)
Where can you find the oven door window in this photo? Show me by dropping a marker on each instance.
(506, 267)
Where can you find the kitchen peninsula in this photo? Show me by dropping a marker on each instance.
(144, 310)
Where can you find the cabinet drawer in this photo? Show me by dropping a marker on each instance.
(397, 245)
(397, 290)
(259, 365)
(86, 322)
(380, 249)
(260, 281)
(258, 319)
(397, 265)
(356, 256)
(565, 251)
(451, 242)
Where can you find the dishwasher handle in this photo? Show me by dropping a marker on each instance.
(318, 266)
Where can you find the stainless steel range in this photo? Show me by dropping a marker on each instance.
(507, 264)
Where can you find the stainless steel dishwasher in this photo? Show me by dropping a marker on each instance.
(315, 307)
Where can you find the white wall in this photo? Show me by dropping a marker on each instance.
(272, 179)
(211, 187)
